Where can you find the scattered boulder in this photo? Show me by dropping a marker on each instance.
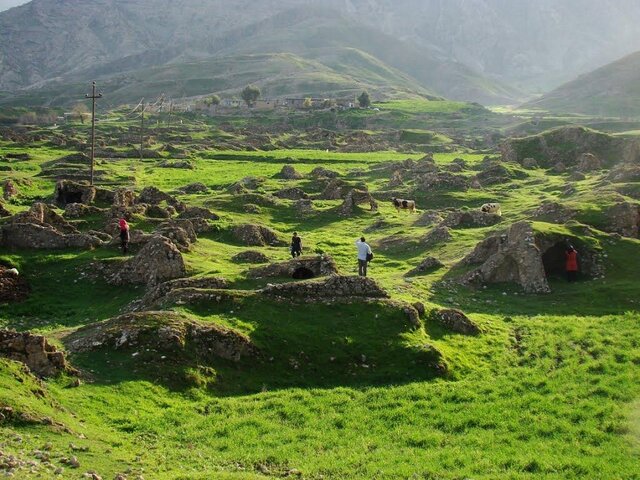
(429, 264)
(250, 256)
(35, 352)
(198, 212)
(158, 261)
(67, 192)
(164, 332)
(9, 189)
(300, 268)
(256, 235)
(288, 172)
(334, 288)
(454, 320)
(13, 286)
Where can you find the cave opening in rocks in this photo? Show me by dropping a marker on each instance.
(65, 197)
(303, 273)
(553, 260)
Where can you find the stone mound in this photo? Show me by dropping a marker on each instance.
(553, 212)
(194, 188)
(429, 264)
(436, 236)
(180, 164)
(154, 196)
(181, 232)
(164, 332)
(298, 268)
(493, 174)
(79, 210)
(289, 172)
(35, 352)
(245, 184)
(154, 296)
(624, 173)
(526, 258)
(321, 172)
(158, 261)
(624, 218)
(67, 192)
(454, 320)
(353, 199)
(428, 219)
(42, 228)
(470, 219)
(294, 193)
(335, 190)
(13, 288)
(256, 235)
(9, 189)
(199, 212)
(588, 162)
(250, 256)
(332, 289)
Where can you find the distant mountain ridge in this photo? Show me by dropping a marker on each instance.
(461, 49)
(613, 90)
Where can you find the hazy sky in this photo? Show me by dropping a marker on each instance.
(6, 4)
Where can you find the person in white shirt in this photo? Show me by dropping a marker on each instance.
(364, 255)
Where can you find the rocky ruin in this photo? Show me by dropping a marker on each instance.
(429, 264)
(153, 298)
(301, 268)
(331, 289)
(256, 235)
(164, 332)
(69, 192)
(624, 218)
(289, 172)
(158, 261)
(470, 219)
(250, 256)
(526, 258)
(354, 198)
(35, 352)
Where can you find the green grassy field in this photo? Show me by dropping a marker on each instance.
(549, 390)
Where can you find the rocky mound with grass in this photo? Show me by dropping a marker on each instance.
(334, 288)
(301, 268)
(454, 320)
(166, 333)
(256, 235)
(158, 261)
(250, 256)
(289, 172)
(155, 295)
(470, 219)
(569, 145)
(34, 351)
(429, 264)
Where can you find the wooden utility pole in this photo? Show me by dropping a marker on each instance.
(142, 129)
(93, 98)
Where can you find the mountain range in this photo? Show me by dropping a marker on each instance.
(489, 51)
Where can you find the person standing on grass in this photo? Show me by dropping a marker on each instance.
(296, 245)
(571, 263)
(125, 236)
(364, 256)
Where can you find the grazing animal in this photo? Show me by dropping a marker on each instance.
(13, 271)
(491, 208)
(402, 204)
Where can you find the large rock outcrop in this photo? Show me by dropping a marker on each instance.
(158, 261)
(510, 258)
(34, 351)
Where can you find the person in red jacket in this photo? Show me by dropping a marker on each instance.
(571, 263)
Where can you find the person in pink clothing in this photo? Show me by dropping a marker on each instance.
(125, 237)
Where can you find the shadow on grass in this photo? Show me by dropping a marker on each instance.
(302, 346)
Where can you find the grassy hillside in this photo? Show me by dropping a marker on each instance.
(549, 389)
(610, 91)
